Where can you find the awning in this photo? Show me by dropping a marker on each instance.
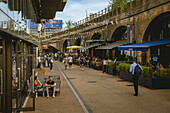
(143, 46)
(53, 45)
(113, 45)
(91, 46)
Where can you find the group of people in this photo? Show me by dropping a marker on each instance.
(50, 86)
(68, 60)
(47, 61)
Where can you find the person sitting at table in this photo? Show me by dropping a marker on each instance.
(50, 86)
(161, 66)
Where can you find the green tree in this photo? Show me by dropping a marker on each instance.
(69, 24)
(118, 3)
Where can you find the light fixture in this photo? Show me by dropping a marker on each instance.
(169, 25)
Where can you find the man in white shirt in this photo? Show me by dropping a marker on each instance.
(135, 76)
(104, 65)
(70, 61)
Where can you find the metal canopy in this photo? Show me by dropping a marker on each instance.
(46, 9)
(113, 45)
(91, 46)
(143, 46)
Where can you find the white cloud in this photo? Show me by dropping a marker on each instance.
(75, 9)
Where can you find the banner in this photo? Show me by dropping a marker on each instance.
(129, 33)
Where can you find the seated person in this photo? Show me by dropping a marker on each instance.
(50, 85)
(38, 84)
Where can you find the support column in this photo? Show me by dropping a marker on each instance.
(148, 52)
(139, 56)
(8, 75)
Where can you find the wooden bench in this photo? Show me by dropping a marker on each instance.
(43, 79)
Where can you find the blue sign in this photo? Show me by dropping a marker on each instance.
(154, 59)
(54, 24)
(51, 24)
(33, 25)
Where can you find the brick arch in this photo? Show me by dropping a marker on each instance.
(149, 22)
(77, 41)
(114, 28)
(64, 45)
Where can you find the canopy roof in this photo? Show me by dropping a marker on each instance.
(113, 45)
(92, 45)
(143, 46)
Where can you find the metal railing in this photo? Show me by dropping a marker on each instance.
(122, 11)
(17, 28)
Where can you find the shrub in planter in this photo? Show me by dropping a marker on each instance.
(165, 73)
(145, 71)
(124, 67)
(111, 64)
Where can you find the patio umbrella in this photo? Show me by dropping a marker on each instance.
(74, 47)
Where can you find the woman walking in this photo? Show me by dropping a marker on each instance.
(65, 61)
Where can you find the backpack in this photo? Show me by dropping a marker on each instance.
(137, 70)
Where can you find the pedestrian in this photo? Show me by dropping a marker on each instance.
(136, 71)
(81, 59)
(70, 61)
(48, 60)
(65, 61)
(51, 64)
(104, 65)
(86, 61)
(39, 61)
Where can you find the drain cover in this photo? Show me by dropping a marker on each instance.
(71, 78)
(92, 82)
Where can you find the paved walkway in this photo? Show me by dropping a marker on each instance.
(105, 93)
(65, 103)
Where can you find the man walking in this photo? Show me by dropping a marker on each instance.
(70, 61)
(104, 65)
(81, 59)
(136, 71)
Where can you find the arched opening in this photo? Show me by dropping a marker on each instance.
(52, 48)
(95, 39)
(78, 41)
(96, 36)
(158, 29)
(65, 46)
(119, 34)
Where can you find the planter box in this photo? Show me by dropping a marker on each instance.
(111, 71)
(152, 83)
(125, 76)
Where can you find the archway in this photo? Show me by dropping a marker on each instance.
(65, 46)
(95, 39)
(96, 36)
(158, 29)
(78, 41)
(119, 34)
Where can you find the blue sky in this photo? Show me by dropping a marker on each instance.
(75, 9)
